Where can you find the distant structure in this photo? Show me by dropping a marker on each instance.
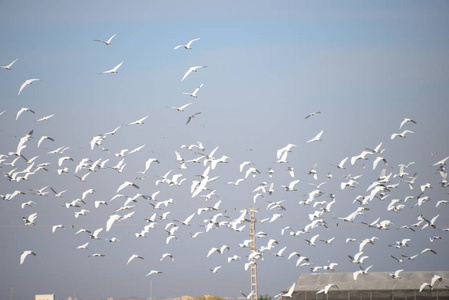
(372, 286)
(45, 297)
(252, 234)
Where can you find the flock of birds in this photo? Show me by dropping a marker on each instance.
(22, 164)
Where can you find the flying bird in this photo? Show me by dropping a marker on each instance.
(312, 114)
(192, 69)
(108, 42)
(113, 70)
(27, 82)
(25, 254)
(138, 122)
(194, 93)
(191, 117)
(405, 121)
(187, 46)
(8, 67)
(316, 138)
(180, 108)
(44, 118)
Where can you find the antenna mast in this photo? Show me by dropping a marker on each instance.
(252, 233)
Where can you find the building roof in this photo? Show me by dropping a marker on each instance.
(371, 281)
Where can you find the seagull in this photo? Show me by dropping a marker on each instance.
(192, 69)
(153, 272)
(316, 138)
(191, 117)
(312, 114)
(402, 134)
(361, 271)
(8, 67)
(215, 270)
(138, 122)
(290, 291)
(134, 256)
(25, 254)
(167, 255)
(395, 275)
(327, 287)
(83, 246)
(44, 118)
(113, 70)
(187, 46)
(108, 42)
(30, 219)
(125, 184)
(54, 227)
(194, 93)
(341, 164)
(44, 138)
(181, 108)
(27, 82)
(405, 121)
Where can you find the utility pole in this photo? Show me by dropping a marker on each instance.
(252, 233)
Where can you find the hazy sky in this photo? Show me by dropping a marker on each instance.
(364, 65)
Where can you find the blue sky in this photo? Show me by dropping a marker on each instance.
(365, 65)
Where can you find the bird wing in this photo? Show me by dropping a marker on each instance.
(187, 73)
(190, 42)
(22, 87)
(178, 47)
(110, 39)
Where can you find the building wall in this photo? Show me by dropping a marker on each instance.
(45, 297)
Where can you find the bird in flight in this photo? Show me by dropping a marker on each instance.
(27, 82)
(194, 93)
(191, 117)
(8, 67)
(180, 108)
(108, 42)
(25, 254)
(186, 46)
(192, 69)
(113, 70)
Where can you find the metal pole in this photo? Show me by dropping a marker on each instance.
(252, 234)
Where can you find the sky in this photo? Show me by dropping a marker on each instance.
(363, 65)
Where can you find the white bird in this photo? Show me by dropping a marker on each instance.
(44, 118)
(194, 93)
(27, 82)
(138, 122)
(312, 114)
(316, 138)
(187, 46)
(192, 69)
(290, 291)
(215, 270)
(187, 220)
(83, 246)
(291, 186)
(25, 254)
(402, 134)
(312, 240)
(54, 227)
(327, 287)
(44, 138)
(95, 234)
(8, 67)
(125, 184)
(28, 203)
(153, 272)
(22, 110)
(167, 255)
(361, 271)
(342, 163)
(405, 121)
(180, 108)
(113, 70)
(395, 275)
(189, 118)
(30, 219)
(134, 256)
(108, 42)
